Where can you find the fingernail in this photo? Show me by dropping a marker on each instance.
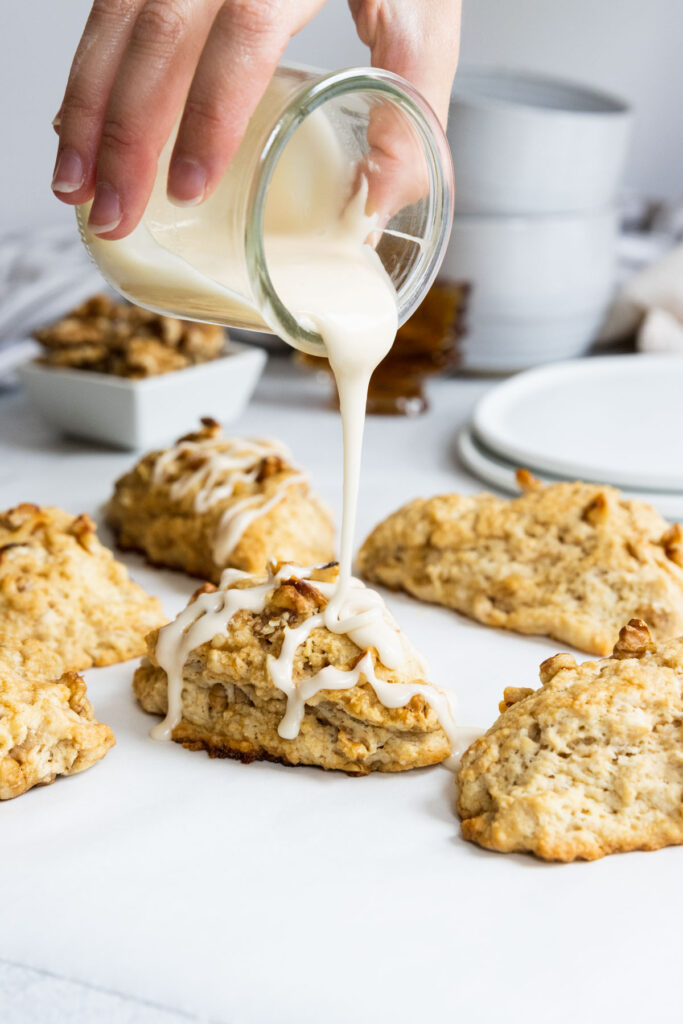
(69, 174)
(105, 212)
(57, 121)
(186, 181)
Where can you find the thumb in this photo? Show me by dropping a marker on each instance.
(417, 40)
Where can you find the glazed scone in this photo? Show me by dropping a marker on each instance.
(589, 764)
(255, 673)
(210, 502)
(60, 586)
(572, 561)
(47, 726)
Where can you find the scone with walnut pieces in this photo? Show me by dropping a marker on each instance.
(572, 561)
(254, 672)
(60, 586)
(589, 764)
(47, 726)
(212, 501)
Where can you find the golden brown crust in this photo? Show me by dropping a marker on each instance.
(589, 764)
(60, 586)
(170, 532)
(193, 739)
(571, 560)
(47, 727)
(231, 708)
(117, 338)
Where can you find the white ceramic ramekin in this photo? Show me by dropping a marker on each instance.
(526, 144)
(144, 413)
(538, 287)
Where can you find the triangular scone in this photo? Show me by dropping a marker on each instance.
(210, 502)
(47, 728)
(590, 764)
(60, 586)
(572, 561)
(269, 680)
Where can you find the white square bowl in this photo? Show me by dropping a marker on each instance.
(144, 413)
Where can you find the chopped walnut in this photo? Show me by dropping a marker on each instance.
(6, 549)
(267, 627)
(298, 596)
(17, 516)
(83, 529)
(147, 357)
(634, 640)
(105, 336)
(206, 588)
(526, 481)
(271, 465)
(97, 305)
(597, 511)
(326, 573)
(77, 695)
(551, 666)
(209, 429)
(513, 695)
(353, 749)
(672, 542)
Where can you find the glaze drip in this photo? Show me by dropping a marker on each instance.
(215, 469)
(361, 615)
(336, 285)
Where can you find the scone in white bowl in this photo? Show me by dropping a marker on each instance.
(143, 413)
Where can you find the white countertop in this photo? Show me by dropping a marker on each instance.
(161, 886)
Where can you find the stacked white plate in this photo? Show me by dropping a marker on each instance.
(612, 420)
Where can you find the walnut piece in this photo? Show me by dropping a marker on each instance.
(117, 338)
(634, 640)
(512, 695)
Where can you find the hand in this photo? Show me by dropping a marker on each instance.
(140, 63)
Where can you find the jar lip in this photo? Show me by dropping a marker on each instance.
(441, 188)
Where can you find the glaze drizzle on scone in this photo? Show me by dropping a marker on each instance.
(211, 502)
(212, 468)
(362, 617)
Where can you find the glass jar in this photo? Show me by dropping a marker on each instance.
(210, 262)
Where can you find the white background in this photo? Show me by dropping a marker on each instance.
(627, 46)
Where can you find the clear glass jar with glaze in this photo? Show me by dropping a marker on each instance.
(312, 139)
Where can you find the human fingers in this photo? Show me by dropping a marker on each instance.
(79, 119)
(244, 46)
(147, 95)
(418, 41)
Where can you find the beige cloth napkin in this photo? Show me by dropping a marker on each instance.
(654, 299)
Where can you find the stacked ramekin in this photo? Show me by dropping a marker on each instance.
(538, 164)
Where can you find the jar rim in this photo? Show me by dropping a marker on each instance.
(309, 98)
